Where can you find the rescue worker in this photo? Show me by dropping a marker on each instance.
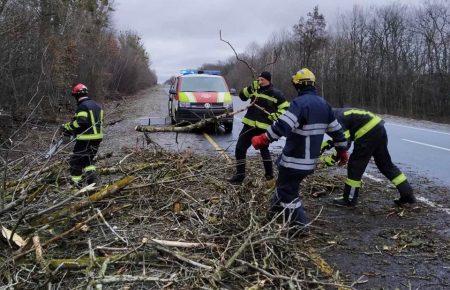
(86, 127)
(256, 121)
(367, 132)
(303, 124)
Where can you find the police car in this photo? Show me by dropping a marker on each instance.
(200, 94)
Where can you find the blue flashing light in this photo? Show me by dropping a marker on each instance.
(195, 71)
(212, 72)
(188, 71)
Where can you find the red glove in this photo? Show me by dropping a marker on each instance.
(342, 156)
(260, 141)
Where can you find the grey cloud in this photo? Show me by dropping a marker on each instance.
(184, 34)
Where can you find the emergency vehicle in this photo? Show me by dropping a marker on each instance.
(200, 94)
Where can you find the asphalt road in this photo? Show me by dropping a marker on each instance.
(416, 146)
(421, 147)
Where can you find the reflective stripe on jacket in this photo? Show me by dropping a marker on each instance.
(357, 122)
(270, 99)
(87, 124)
(308, 118)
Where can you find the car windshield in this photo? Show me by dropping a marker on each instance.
(203, 84)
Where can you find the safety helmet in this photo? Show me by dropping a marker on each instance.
(304, 77)
(79, 90)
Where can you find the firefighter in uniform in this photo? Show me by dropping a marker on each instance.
(86, 127)
(256, 121)
(367, 132)
(303, 124)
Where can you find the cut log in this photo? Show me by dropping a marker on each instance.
(103, 193)
(198, 125)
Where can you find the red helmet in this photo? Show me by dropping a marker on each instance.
(79, 90)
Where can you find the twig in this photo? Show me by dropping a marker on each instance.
(184, 259)
(184, 244)
(109, 226)
(252, 70)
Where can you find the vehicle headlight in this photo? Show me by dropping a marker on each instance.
(184, 105)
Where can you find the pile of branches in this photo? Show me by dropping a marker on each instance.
(159, 220)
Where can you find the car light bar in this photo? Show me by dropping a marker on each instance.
(196, 71)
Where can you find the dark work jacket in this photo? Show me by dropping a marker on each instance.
(87, 124)
(269, 98)
(357, 123)
(308, 118)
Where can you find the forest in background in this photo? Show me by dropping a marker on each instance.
(46, 46)
(390, 59)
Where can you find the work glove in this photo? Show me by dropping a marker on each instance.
(64, 131)
(273, 116)
(342, 156)
(326, 145)
(329, 160)
(254, 87)
(260, 141)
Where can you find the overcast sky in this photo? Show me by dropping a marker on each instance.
(182, 34)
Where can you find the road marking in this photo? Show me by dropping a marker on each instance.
(419, 198)
(218, 148)
(425, 144)
(433, 204)
(370, 176)
(417, 128)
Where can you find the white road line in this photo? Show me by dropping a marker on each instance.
(425, 144)
(417, 128)
(432, 204)
(370, 176)
(419, 198)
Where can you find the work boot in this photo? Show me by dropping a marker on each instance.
(406, 194)
(92, 177)
(236, 179)
(298, 222)
(349, 198)
(342, 201)
(410, 199)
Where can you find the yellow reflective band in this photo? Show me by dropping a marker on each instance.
(75, 124)
(76, 178)
(353, 183)
(245, 92)
(101, 121)
(283, 105)
(347, 134)
(358, 112)
(93, 125)
(255, 123)
(67, 126)
(269, 98)
(399, 179)
(90, 136)
(90, 168)
(367, 127)
(82, 114)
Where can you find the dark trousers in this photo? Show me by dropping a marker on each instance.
(83, 158)
(375, 144)
(286, 196)
(243, 143)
